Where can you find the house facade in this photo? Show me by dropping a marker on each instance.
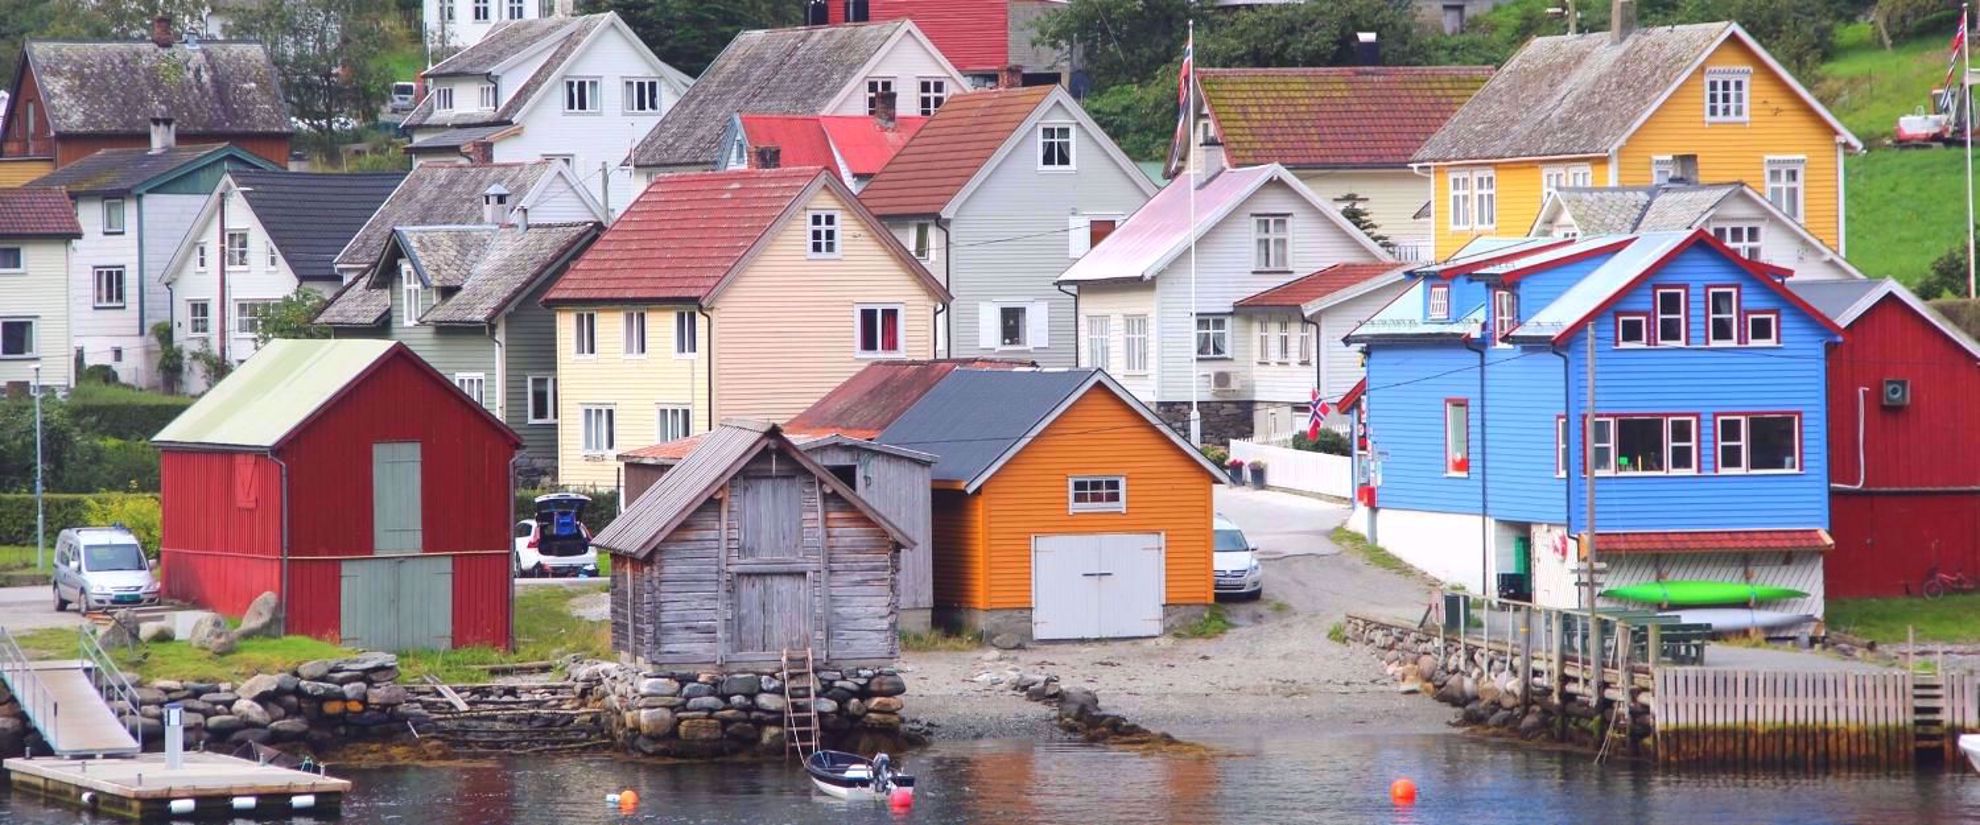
(452, 25)
(1347, 132)
(458, 276)
(1733, 212)
(574, 89)
(746, 293)
(814, 70)
(282, 231)
(36, 229)
(1709, 436)
(997, 195)
(985, 39)
(1297, 337)
(1617, 108)
(134, 205)
(1899, 388)
(1163, 317)
(71, 99)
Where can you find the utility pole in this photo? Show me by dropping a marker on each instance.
(40, 520)
(1588, 531)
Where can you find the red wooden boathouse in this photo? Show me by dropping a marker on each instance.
(354, 481)
(1904, 456)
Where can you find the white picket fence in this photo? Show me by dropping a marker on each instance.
(1300, 470)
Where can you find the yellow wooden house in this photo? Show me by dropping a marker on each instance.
(747, 293)
(1618, 108)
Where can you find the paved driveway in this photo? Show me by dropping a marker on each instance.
(32, 608)
(1305, 572)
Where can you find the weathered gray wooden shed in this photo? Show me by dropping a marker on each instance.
(748, 548)
(893, 479)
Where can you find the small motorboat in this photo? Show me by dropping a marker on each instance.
(1969, 744)
(851, 776)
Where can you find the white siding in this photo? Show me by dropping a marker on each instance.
(99, 332)
(1287, 381)
(906, 63)
(463, 31)
(256, 281)
(555, 201)
(41, 292)
(606, 137)
(1116, 302)
(1340, 364)
(1781, 245)
(1393, 197)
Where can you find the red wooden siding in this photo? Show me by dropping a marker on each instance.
(316, 597)
(482, 602)
(1921, 499)
(464, 461)
(221, 527)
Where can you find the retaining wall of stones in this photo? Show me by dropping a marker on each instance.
(701, 714)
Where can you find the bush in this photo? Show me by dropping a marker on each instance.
(65, 510)
(603, 508)
(139, 513)
(1217, 455)
(1329, 442)
(122, 412)
(110, 465)
(58, 443)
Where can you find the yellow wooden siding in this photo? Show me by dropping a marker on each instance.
(1780, 124)
(635, 387)
(1519, 198)
(40, 291)
(1167, 492)
(785, 328)
(958, 553)
(17, 171)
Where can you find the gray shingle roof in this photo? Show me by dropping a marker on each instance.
(114, 88)
(1570, 94)
(485, 267)
(439, 194)
(454, 138)
(774, 72)
(118, 171)
(311, 216)
(1676, 208)
(501, 44)
(973, 417)
(1604, 210)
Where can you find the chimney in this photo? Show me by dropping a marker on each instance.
(884, 107)
(1622, 20)
(494, 202)
(1367, 49)
(1210, 154)
(769, 157)
(161, 31)
(522, 217)
(479, 152)
(163, 135)
(1010, 77)
(1684, 169)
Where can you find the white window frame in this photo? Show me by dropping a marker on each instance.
(1744, 442)
(1560, 446)
(410, 292)
(1485, 198)
(584, 334)
(1743, 238)
(274, 256)
(447, 12)
(475, 384)
(199, 323)
(101, 298)
(687, 334)
(933, 92)
(486, 97)
(1731, 317)
(1023, 340)
(921, 239)
(1601, 439)
(1271, 242)
(1216, 331)
(597, 429)
(1134, 345)
(1658, 316)
(1459, 182)
(248, 314)
(1505, 314)
(1662, 167)
(1113, 489)
(1792, 198)
(33, 336)
(878, 312)
(1642, 321)
(199, 257)
(1571, 175)
(237, 253)
(483, 11)
(1099, 342)
(643, 96)
(823, 238)
(1728, 94)
(632, 340)
(1612, 444)
(548, 413)
(443, 98)
(20, 261)
(1305, 342)
(1285, 342)
(115, 220)
(515, 9)
(1057, 133)
(672, 422)
(585, 91)
(1440, 302)
(1264, 344)
(1773, 319)
(1455, 430)
(874, 87)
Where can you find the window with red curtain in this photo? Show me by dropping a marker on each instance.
(879, 330)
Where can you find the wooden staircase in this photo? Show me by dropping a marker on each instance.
(1928, 712)
(800, 716)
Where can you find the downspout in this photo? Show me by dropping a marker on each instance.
(1567, 414)
(1318, 376)
(948, 283)
(710, 377)
(513, 460)
(1484, 479)
(287, 593)
(137, 205)
(1862, 468)
(1076, 339)
(497, 333)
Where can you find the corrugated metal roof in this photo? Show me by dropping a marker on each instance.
(43, 212)
(1154, 234)
(971, 417)
(1403, 318)
(262, 401)
(1598, 286)
(1715, 541)
(1835, 298)
(873, 398)
(864, 145)
(964, 134)
(972, 34)
(1357, 116)
(1301, 291)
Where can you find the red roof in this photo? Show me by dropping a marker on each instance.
(1354, 117)
(951, 147)
(1353, 395)
(866, 147)
(37, 212)
(799, 140)
(811, 140)
(683, 235)
(973, 34)
(1301, 291)
(1714, 541)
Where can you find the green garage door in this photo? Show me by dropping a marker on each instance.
(402, 603)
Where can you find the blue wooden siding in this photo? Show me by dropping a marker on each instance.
(1523, 394)
(1538, 290)
(1408, 387)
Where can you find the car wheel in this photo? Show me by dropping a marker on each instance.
(61, 604)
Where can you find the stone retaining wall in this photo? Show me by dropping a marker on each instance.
(1483, 683)
(705, 714)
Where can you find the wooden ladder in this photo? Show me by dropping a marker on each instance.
(1928, 707)
(800, 716)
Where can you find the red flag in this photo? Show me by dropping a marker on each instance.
(1959, 37)
(1315, 413)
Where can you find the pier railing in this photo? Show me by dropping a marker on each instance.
(111, 684)
(21, 677)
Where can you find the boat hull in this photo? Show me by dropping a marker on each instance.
(1733, 619)
(1969, 744)
(1701, 593)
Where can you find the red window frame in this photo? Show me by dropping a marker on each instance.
(1457, 465)
(1657, 316)
(1738, 319)
(1746, 327)
(1746, 442)
(1644, 318)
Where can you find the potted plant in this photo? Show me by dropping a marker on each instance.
(1235, 467)
(1258, 475)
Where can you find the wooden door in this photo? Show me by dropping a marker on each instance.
(395, 498)
(397, 603)
(772, 613)
(1096, 586)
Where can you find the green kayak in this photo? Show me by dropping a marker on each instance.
(1701, 593)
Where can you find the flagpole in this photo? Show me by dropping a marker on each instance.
(1966, 123)
(1189, 135)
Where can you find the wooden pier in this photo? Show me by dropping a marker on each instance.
(206, 784)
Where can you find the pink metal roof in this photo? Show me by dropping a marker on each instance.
(1302, 291)
(1150, 237)
(811, 140)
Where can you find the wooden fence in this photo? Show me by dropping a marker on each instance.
(1759, 720)
(1301, 470)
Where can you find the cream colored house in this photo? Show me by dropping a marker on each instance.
(726, 294)
(34, 275)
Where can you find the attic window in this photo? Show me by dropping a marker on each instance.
(1726, 94)
(443, 98)
(481, 11)
(934, 92)
(581, 95)
(1440, 302)
(642, 95)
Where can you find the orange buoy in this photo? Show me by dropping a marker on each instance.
(1402, 792)
(900, 799)
(628, 800)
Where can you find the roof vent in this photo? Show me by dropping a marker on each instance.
(1622, 20)
(1367, 48)
(494, 199)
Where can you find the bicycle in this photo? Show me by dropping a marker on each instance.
(1937, 583)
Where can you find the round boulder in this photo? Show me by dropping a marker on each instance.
(888, 684)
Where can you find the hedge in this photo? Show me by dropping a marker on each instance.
(62, 511)
(125, 414)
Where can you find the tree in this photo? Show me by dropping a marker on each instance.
(1352, 211)
(688, 34)
(171, 357)
(1947, 278)
(58, 442)
(327, 54)
(1121, 41)
(293, 317)
(1140, 117)
(1309, 34)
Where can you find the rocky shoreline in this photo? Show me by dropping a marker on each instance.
(688, 714)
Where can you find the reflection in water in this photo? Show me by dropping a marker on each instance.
(1281, 778)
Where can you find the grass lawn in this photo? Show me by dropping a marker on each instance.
(1955, 618)
(17, 557)
(1905, 210)
(1868, 87)
(545, 631)
(1371, 553)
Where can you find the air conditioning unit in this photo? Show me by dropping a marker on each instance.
(1223, 380)
(1897, 392)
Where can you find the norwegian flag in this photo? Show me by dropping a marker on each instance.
(1959, 37)
(1179, 146)
(1316, 412)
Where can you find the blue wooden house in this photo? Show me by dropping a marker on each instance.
(1709, 410)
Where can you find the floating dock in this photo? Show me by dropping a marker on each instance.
(205, 784)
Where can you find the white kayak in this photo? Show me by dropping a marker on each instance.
(1969, 744)
(1733, 619)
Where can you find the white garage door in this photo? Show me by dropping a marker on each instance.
(1096, 586)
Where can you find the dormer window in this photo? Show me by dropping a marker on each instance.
(1440, 302)
(488, 97)
(443, 98)
(1726, 94)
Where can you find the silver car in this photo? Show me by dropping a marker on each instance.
(102, 567)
